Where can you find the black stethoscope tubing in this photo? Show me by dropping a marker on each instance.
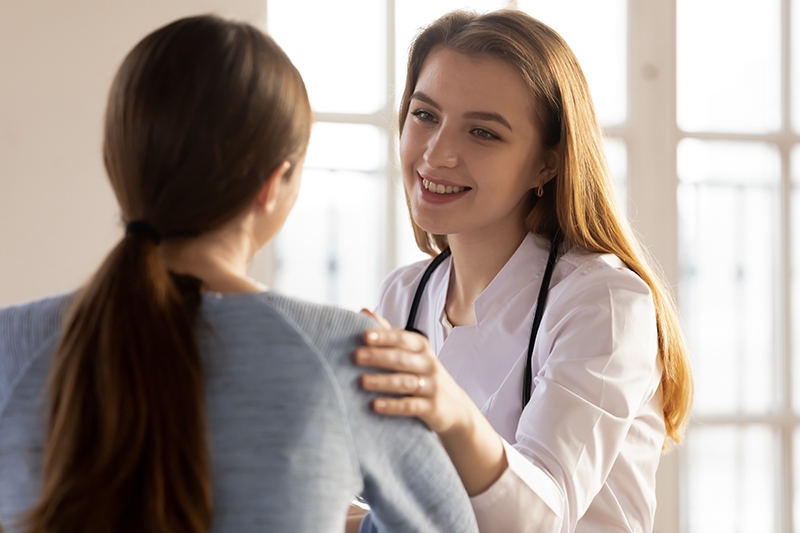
(537, 316)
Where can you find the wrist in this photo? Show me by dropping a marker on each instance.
(477, 452)
(465, 422)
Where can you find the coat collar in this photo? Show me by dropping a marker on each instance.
(526, 266)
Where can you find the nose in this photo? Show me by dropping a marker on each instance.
(441, 150)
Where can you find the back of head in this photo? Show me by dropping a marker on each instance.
(200, 114)
(578, 206)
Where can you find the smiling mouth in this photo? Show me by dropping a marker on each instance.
(442, 189)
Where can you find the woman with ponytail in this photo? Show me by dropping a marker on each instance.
(172, 393)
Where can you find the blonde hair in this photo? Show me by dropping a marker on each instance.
(577, 207)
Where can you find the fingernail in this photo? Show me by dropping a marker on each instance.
(372, 336)
(362, 356)
(380, 404)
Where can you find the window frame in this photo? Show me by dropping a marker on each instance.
(656, 134)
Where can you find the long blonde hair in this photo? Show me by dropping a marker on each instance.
(578, 206)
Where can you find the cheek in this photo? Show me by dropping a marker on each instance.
(408, 151)
(520, 169)
(412, 140)
(405, 144)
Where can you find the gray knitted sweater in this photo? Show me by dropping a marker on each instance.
(291, 437)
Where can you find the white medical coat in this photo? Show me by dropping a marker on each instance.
(584, 452)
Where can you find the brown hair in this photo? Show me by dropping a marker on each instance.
(200, 114)
(578, 206)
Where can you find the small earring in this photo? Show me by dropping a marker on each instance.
(540, 190)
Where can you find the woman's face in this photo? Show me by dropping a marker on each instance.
(469, 149)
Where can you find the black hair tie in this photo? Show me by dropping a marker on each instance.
(144, 228)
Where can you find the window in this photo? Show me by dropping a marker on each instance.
(700, 105)
(350, 226)
(738, 139)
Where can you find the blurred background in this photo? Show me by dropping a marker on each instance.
(700, 105)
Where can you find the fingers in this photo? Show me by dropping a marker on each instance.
(394, 359)
(377, 318)
(409, 406)
(401, 384)
(398, 338)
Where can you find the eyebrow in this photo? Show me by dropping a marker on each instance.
(480, 115)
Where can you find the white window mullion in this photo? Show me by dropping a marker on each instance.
(390, 255)
(653, 133)
(784, 335)
(652, 178)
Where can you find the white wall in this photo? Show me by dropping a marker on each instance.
(58, 217)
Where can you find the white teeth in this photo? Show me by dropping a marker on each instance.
(438, 188)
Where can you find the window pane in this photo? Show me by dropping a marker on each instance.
(597, 33)
(728, 201)
(411, 16)
(731, 479)
(330, 248)
(343, 63)
(617, 156)
(345, 146)
(728, 65)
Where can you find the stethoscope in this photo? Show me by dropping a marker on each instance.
(537, 316)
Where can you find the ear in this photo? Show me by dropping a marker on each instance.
(270, 192)
(548, 167)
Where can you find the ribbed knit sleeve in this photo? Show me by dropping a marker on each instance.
(409, 481)
(25, 332)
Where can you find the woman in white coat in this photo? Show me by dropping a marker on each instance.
(556, 419)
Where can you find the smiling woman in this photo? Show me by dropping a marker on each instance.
(470, 128)
(507, 184)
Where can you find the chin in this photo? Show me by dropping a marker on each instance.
(435, 221)
(432, 227)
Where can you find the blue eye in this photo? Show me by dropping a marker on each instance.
(423, 116)
(485, 134)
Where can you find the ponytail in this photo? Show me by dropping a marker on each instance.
(126, 449)
(199, 115)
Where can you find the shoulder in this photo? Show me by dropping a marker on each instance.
(600, 288)
(25, 327)
(289, 328)
(25, 332)
(304, 341)
(582, 273)
(319, 323)
(34, 317)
